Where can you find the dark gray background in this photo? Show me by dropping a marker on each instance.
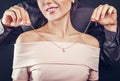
(6, 52)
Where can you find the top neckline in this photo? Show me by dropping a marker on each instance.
(38, 42)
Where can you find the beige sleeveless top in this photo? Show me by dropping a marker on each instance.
(43, 61)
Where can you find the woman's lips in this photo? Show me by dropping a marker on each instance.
(51, 10)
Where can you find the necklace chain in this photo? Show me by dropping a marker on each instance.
(62, 48)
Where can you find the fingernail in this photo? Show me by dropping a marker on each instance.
(21, 23)
(92, 19)
(102, 17)
(97, 18)
(93, 16)
(28, 22)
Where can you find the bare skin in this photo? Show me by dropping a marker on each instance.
(58, 29)
(106, 15)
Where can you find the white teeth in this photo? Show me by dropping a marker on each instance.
(51, 10)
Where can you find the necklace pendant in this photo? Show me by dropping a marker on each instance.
(63, 50)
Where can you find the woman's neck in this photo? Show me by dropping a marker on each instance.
(61, 27)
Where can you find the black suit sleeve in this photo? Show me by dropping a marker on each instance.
(109, 43)
(111, 47)
(6, 31)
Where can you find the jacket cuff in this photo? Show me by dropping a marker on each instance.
(4, 29)
(110, 36)
(1, 28)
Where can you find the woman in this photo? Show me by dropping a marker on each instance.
(56, 51)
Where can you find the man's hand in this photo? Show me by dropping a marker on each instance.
(106, 15)
(15, 16)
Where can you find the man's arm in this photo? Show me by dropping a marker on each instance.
(106, 16)
(111, 47)
(4, 31)
(109, 43)
(13, 18)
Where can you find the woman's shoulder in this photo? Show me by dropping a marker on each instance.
(28, 36)
(89, 40)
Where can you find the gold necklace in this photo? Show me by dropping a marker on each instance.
(62, 48)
